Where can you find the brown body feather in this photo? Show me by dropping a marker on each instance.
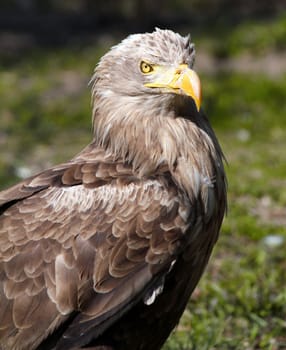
(102, 250)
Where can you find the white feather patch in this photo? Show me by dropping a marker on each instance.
(152, 294)
(69, 197)
(151, 297)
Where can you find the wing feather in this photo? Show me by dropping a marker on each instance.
(78, 238)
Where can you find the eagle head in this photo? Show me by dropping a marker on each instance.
(156, 64)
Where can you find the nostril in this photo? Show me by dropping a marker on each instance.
(181, 68)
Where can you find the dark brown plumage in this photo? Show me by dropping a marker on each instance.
(103, 250)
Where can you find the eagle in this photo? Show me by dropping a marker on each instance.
(103, 252)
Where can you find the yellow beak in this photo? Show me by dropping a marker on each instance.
(180, 80)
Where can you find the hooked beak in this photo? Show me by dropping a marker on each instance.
(181, 80)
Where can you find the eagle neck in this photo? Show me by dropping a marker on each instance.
(147, 137)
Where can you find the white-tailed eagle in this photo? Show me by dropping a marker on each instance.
(104, 251)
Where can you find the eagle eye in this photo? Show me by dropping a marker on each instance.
(146, 67)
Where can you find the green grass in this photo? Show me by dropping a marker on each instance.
(241, 301)
(44, 102)
(250, 37)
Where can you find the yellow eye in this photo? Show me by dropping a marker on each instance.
(146, 67)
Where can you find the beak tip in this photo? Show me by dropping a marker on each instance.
(198, 104)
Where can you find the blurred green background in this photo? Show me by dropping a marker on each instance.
(48, 50)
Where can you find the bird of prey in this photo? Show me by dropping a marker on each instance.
(104, 251)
